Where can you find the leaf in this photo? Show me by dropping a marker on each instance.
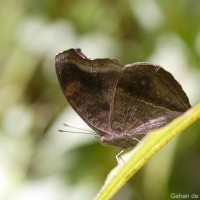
(144, 151)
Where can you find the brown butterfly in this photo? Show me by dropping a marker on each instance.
(121, 103)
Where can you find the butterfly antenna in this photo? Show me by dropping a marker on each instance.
(82, 131)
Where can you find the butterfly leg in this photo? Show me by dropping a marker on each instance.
(119, 158)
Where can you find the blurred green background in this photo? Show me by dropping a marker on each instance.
(38, 162)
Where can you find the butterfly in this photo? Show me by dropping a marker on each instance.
(121, 103)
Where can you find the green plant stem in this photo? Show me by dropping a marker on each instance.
(145, 150)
